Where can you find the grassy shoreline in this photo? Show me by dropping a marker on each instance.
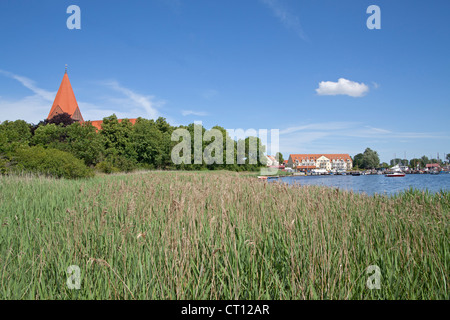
(217, 235)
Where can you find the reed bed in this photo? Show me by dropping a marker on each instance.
(217, 235)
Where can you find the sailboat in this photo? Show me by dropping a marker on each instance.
(395, 172)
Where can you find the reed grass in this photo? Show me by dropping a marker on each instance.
(217, 235)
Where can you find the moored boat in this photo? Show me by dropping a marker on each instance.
(395, 172)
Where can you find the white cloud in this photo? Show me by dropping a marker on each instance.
(30, 84)
(346, 137)
(289, 20)
(148, 103)
(32, 109)
(326, 126)
(209, 94)
(93, 112)
(35, 108)
(194, 113)
(343, 86)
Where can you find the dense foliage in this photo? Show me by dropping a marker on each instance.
(279, 157)
(422, 162)
(51, 162)
(118, 146)
(367, 160)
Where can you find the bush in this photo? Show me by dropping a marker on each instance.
(51, 162)
(13, 134)
(122, 163)
(106, 167)
(3, 164)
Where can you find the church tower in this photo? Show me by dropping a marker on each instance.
(65, 101)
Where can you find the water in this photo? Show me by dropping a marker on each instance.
(371, 184)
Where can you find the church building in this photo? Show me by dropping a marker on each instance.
(65, 102)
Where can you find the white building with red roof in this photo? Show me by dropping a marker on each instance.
(327, 161)
(271, 161)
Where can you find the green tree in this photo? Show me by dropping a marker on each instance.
(438, 161)
(358, 160)
(163, 125)
(424, 161)
(367, 160)
(117, 137)
(63, 119)
(384, 165)
(83, 141)
(14, 134)
(394, 162)
(50, 135)
(151, 144)
(279, 157)
(370, 159)
(251, 155)
(414, 162)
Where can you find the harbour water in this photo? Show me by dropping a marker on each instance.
(371, 184)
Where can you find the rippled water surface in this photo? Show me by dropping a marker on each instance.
(372, 184)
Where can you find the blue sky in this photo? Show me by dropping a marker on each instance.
(262, 64)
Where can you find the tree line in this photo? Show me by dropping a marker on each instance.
(418, 162)
(117, 147)
(369, 159)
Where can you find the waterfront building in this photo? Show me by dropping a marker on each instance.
(433, 166)
(307, 162)
(271, 161)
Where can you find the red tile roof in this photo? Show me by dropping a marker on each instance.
(98, 123)
(300, 157)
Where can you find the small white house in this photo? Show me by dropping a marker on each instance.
(271, 161)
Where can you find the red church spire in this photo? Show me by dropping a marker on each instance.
(65, 101)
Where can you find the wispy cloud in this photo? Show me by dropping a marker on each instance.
(288, 19)
(342, 87)
(326, 126)
(30, 84)
(92, 111)
(194, 113)
(347, 137)
(134, 99)
(209, 94)
(35, 107)
(31, 109)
